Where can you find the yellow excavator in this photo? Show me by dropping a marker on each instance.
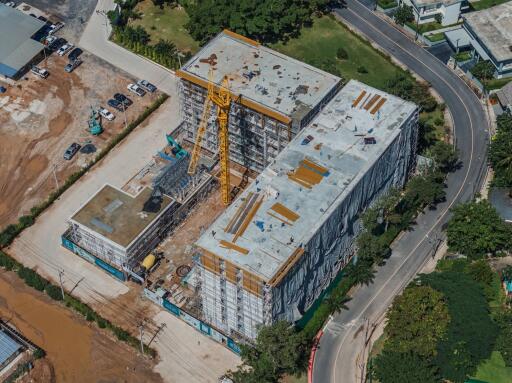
(219, 96)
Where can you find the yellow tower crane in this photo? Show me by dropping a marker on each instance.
(221, 97)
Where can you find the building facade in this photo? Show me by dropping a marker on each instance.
(427, 11)
(273, 97)
(281, 243)
(490, 36)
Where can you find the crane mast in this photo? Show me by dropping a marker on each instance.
(220, 97)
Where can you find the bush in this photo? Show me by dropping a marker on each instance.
(342, 54)
(362, 69)
(39, 353)
(53, 292)
(32, 279)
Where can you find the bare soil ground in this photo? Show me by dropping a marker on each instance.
(40, 118)
(76, 350)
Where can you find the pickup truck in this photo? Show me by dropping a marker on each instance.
(41, 72)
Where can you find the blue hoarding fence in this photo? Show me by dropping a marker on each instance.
(198, 324)
(70, 245)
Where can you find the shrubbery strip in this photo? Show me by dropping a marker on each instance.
(32, 278)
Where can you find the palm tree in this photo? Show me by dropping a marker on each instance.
(361, 273)
(337, 303)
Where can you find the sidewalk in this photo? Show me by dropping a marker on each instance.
(95, 39)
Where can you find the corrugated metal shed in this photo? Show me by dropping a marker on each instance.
(8, 347)
(16, 46)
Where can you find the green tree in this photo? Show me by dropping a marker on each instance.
(438, 18)
(394, 367)
(424, 190)
(476, 230)
(342, 54)
(480, 271)
(278, 350)
(504, 121)
(403, 14)
(503, 342)
(500, 156)
(506, 273)
(484, 70)
(471, 333)
(416, 321)
(361, 272)
(444, 155)
(263, 20)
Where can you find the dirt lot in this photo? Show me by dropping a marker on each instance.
(39, 118)
(76, 350)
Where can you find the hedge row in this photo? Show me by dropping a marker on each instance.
(33, 279)
(13, 230)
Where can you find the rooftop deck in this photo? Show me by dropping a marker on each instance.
(275, 81)
(493, 26)
(117, 215)
(265, 227)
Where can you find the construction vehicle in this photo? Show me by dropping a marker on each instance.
(220, 96)
(177, 150)
(95, 123)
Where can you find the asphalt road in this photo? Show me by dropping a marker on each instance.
(341, 354)
(95, 39)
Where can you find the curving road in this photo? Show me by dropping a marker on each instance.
(341, 354)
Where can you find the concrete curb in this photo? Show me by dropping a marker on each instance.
(311, 362)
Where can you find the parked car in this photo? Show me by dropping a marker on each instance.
(42, 18)
(136, 89)
(116, 104)
(71, 151)
(11, 4)
(74, 54)
(106, 113)
(3, 89)
(50, 39)
(55, 27)
(64, 49)
(123, 99)
(72, 65)
(55, 45)
(146, 85)
(41, 72)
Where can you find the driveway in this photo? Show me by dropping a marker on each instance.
(341, 355)
(95, 39)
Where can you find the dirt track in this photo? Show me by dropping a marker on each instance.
(77, 350)
(40, 118)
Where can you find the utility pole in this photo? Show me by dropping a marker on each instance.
(61, 273)
(54, 167)
(141, 332)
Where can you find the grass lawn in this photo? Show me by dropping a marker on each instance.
(493, 370)
(483, 4)
(318, 44)
(435, 37)
(166, 24)
(387, 4)
(497, 83)
(463, 56)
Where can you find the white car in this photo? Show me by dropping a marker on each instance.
(65, 49)
(50, 39)
(106, 113)
(41, 72)
(55, 27)
(11, 4)
(136, 89)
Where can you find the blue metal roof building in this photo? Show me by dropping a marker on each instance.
(9, 349)
(17, 48)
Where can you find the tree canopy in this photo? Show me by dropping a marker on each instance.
(403, 14)
(471, 333)
(396, 367)
(263, 20)
(417, 320)
(477, 230)
(279, 349)
(500, 151)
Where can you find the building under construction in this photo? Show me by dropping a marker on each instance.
(273, 97)
(282, 241)
(116, 228)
